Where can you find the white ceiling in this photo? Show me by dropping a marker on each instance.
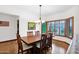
(34, 9)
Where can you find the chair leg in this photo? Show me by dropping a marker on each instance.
(18, 51)
(22, 51)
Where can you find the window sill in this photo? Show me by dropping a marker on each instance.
(64, 39)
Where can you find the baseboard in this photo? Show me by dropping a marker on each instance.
(8, 41)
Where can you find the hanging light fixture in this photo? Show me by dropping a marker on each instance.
(40, 12)
(40, 19)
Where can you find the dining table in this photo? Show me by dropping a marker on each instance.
(32, 40)
(29, 40)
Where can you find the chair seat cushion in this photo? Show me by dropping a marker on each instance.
(25, 46)
(38, 45)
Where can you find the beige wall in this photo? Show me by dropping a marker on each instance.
(8, 33)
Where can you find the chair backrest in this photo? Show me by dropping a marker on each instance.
(29, 33)
(43, 41)
(49, 40)
(37, 33)
(20, 47)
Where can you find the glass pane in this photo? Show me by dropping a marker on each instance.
(70, 28)
(52, 26)
(62, 26)
(57, 28)
(49, 27)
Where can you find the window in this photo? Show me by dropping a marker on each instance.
(62, 27)
(70, 28)
(52, 26)
(49, 27)
(57, 28)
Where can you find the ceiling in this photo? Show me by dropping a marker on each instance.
(34, 9)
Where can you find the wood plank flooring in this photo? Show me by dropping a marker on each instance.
(8, 47)
(11, 47)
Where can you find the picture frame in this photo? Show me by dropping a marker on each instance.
(4, 23)
(31, 25)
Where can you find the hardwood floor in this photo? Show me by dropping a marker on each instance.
(11, 47)
(8, 47)
(61, 44)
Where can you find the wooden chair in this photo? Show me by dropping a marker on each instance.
(42, 44)
(37, 33)
(29, 33)
(22, 47)
(49, 41)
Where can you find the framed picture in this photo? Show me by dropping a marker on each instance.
(31, 26)
(4, 23)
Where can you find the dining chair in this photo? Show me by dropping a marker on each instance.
(29, 33)
(37, 33)
(22, 47)
(49, 40)
(42, 44)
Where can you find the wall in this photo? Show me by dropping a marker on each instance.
(8, 33)
(23, 27)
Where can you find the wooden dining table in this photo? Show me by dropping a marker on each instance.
(31, 39)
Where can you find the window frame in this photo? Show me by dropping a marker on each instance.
(65, 35)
